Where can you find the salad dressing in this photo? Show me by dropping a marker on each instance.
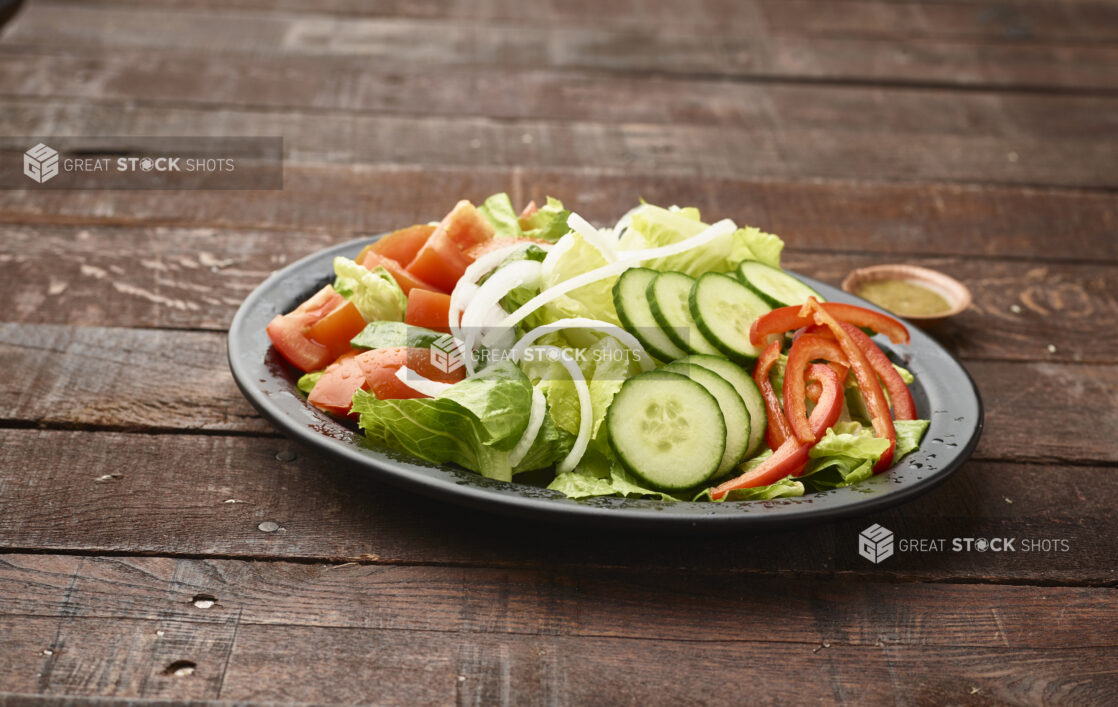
(905, 298)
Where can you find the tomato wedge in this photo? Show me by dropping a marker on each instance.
(290, 332)
(805, 349)
(777, 429)
(439, 262)
(428, 309)
(442, 259)
(790, 458)
(881, 416)
(401, 245)
(334, 390)
(785, 319)
(336, 329)
(380, 365)
(406, 280)
(475, 252)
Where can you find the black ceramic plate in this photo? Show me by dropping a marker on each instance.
(943, 391)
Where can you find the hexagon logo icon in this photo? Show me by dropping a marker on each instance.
(444, 354)
(40, 163)
(875, 543)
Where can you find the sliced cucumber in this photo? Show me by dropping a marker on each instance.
(667, 430)
(724, 309)
(736, 376)
(775, 286)
(730, 403)
(630, 298)
(668, 294)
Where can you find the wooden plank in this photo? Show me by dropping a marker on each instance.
(751, 51)
(752, 149)
(319, 84)
(1071, 20)
(209, 495)
(417, 668)
(573, 602)
(196, 278)
(346, 201)
(154, 380)
(1074, 20)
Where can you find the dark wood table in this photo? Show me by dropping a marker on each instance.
(138, 488)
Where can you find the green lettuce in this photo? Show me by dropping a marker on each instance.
(474, 424)
(909, 434)
(653, 226)
(847, 452)
(388, 334)
(594, 300)
(306, 382)
(498, 210)
(549, 223)
(605, 365)
(600, 474)
(784, 488)
(374, 292)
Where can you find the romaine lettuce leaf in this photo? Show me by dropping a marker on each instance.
(549, 223)
(306, 382)
(374, 292)
(594, 301)
(909, 434)
(785, 488)
(385, 334)
(600, 474)
(499, 212)
(473, 423)
(605, 365)
(653, 226)
(847, 453)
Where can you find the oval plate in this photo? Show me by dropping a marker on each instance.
(943, 391)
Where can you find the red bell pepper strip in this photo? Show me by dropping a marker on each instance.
(904, 407)
(785, 319)
(880, 415)
(805, 349)
(790, 458)
(777, 429)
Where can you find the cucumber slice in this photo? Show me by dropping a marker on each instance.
(729, 402)
(736, 376)
(724, 309)
(630, 298)
(667, 430)
(776, 287)
(668, 294)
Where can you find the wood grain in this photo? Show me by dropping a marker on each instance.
(907, 220)
(569, 602)
(216, 493)
(750, 51)
(1021, 21)
(352, 86)
(749, 149)
(423, 634)
(415, 668)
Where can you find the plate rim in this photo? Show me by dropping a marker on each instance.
(481, 493)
